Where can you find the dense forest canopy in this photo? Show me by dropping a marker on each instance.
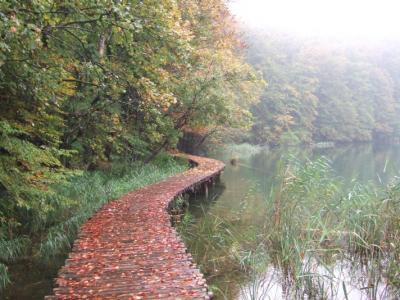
(84, 83)
(324, 91)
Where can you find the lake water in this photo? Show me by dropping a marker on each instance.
(238, 200)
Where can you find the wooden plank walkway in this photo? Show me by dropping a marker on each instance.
(129, 250)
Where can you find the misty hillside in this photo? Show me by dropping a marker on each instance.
(320, 91)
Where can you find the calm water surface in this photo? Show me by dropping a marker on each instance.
(238, 200)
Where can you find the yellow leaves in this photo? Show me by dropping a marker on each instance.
(116, 120)
(292, 91)
(51, 19)
(183, 31)
(155, 96)
(71, 66)
(156, 136)
(284, 120)
(199, 128)
(68, 87)
(164, 75)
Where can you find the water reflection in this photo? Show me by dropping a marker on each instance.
(343, 280)
(359, 162)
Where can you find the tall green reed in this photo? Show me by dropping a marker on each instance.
(314, 230)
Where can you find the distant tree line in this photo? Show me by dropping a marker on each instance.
(322, 91)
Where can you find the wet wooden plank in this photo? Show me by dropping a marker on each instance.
(129, 250)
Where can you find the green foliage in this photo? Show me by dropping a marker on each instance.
(87, 84)
(26, 173)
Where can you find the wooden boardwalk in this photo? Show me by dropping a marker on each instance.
(129, 250)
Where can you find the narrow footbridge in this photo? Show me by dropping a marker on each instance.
(129, 250)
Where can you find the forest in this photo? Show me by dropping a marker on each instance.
(324, 91)
(85, 85)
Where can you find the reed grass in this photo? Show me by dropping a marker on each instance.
(314, 230)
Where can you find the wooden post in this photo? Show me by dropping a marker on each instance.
(206, 190)
(213, 181)
(218, 178)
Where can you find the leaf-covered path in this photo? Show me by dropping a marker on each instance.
(129, 250)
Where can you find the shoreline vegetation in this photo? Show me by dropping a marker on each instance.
(313, 239)
(49, 236)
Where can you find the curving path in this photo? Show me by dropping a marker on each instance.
(129, 250)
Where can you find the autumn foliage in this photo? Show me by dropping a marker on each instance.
(85, 83)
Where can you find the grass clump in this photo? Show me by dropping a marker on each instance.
(315, 231)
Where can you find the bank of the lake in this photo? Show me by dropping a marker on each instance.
(341, 208)
(36, 262)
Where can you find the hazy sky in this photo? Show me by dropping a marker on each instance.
(370, 19)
